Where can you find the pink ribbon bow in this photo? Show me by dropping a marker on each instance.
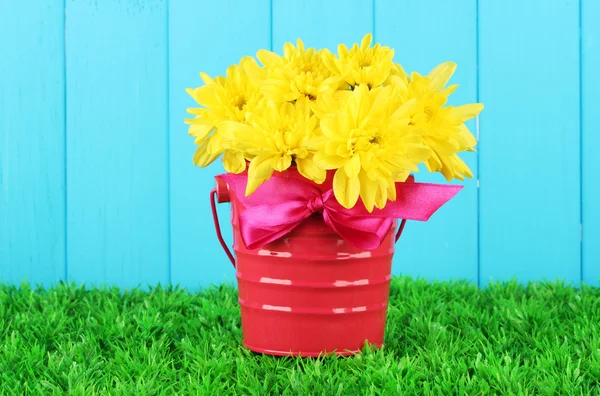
(281, 204)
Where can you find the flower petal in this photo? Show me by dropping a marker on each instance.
(259, 171)
(235, 131)
(381, 196)
(206, 78)
(234, 162)
(440, 75)
(345, 189)
(200, 131)
(206, 96)
(368, 189)
(269, 59)
(366, 41)
(468, 111)
(202, 157)
(352, 167)
(326, 161)
(309, 169)
(283, 162)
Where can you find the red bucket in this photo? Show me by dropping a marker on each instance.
(310, 292)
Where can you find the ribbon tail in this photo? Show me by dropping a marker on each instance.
(417, 201)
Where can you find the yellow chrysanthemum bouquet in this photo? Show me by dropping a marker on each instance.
(357, 114)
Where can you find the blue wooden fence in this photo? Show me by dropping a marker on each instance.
(96, 179)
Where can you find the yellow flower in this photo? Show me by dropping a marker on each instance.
(330, 102)
(371, 144)
(442, 126)
(397, 76)
(298, 73)
(276, 136)
(362, 65)
(223, 99)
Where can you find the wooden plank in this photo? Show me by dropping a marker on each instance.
(326, 28)
(590, 140)
(529, 153)
(117, 143)
(424, 34)
(199, 40)
(32, 197)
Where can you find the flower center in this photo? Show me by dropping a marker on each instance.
(306, 84)
(239, 101)
(306, 67)
(428, 113)
(361, 140)
(364, 61)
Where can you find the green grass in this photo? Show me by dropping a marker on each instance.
(443, 338)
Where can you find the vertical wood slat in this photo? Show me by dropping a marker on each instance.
(424, 34)
(590, 14)
(200, 40)
(117, 178)
(337, 21)
(529, 153)
(32, 195)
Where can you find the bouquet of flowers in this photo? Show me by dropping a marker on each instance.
(357, 114)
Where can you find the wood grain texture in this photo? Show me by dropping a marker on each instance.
(590, 56)
(204, 37)
(321, 23)
(117, 145)
(32, 195)
(530, 132)
(423, 35)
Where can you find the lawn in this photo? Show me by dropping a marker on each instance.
(442, 338)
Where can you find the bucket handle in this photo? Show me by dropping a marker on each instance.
(400, 229)
(221, 194)
(214, 194)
